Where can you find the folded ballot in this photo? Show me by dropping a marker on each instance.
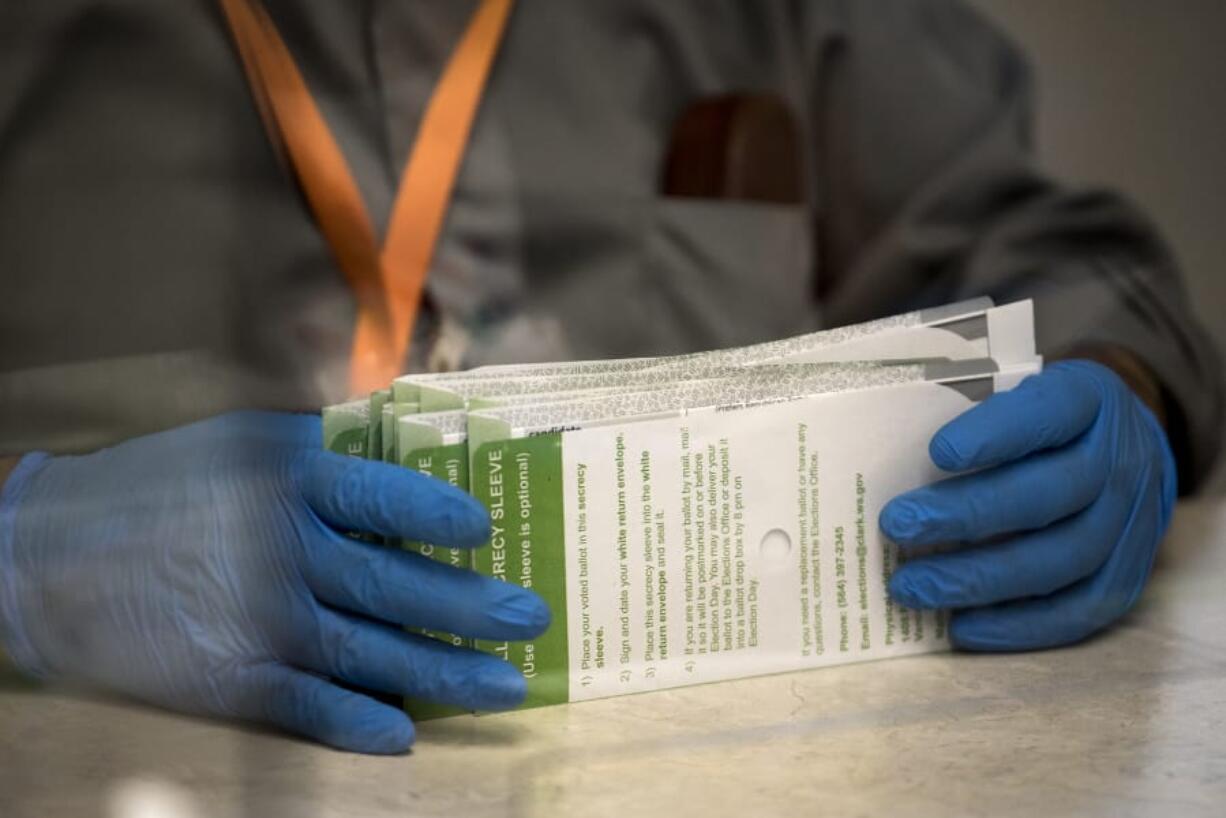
(702, 517)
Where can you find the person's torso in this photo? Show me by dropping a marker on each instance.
(161, 265)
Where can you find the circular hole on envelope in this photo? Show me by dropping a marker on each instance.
(775, 548)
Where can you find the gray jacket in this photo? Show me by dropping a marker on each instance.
(159, 263)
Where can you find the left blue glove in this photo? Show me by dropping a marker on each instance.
(1072, 490)
(203, 569)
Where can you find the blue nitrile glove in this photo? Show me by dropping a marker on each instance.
(1059, 528)
(201, 569)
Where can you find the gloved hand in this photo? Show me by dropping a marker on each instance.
(1059, 525)
(201, 569)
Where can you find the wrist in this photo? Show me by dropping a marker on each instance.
(1134, 372)
(7, 464)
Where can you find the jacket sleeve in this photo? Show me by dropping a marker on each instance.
(927, 190)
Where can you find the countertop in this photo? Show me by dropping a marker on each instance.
(1130, 723)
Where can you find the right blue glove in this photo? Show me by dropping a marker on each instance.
(201, 569)
(1067, 486)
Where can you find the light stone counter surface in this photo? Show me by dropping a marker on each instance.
(1133, 723)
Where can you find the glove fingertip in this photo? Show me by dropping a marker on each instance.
(982, 631)
(374, 728)
(903, 592)
(964, 635)
(945, 453)
(471, 524)
(502, 689)
(442, 513)
(310, 706)
(902, 521)
(518, 614)
(394, 734)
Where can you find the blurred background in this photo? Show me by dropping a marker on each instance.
(1131, 96)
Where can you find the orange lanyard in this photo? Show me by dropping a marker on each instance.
(387, 281)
